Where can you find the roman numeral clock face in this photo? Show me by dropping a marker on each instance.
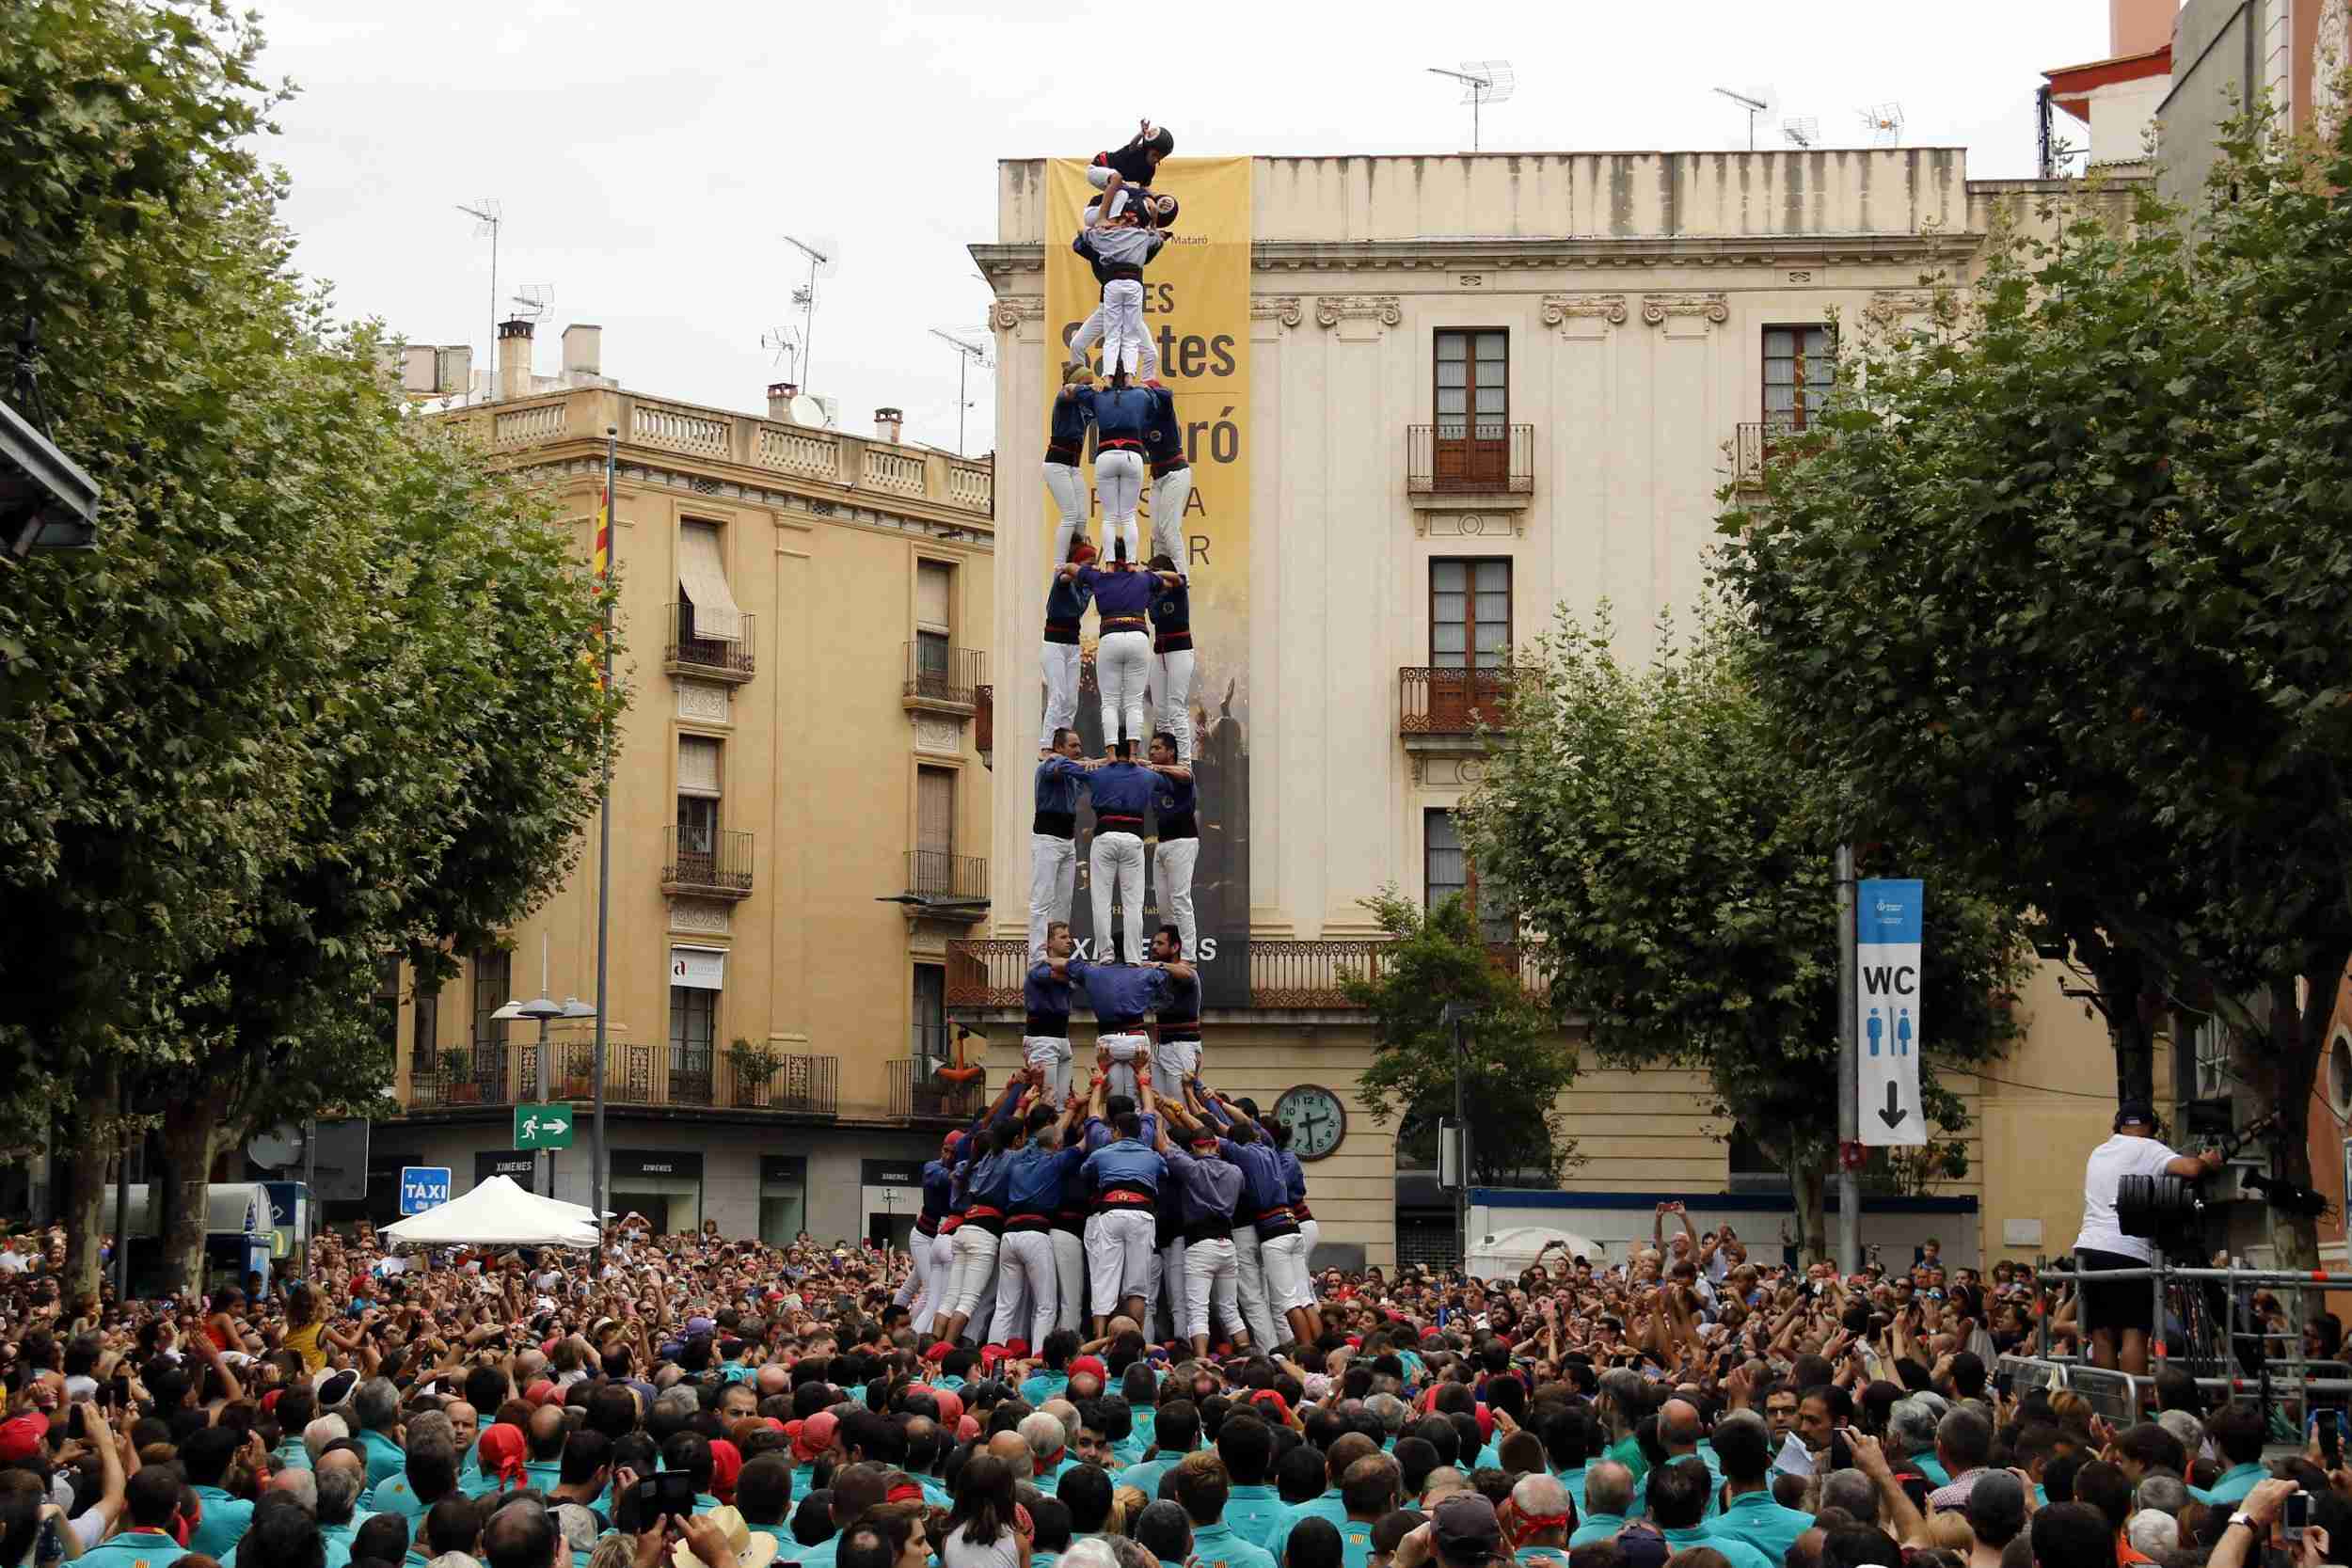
(1316, 1118)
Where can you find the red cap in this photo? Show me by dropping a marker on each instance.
(545, 1392)
(991, 1355)
(1281, 1406)
(21, 1438)
(726, 1462)
(938, 1351)
(1089, 1364)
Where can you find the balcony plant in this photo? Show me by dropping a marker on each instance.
(755, 1065)
(579, 1079)
(457, 1084)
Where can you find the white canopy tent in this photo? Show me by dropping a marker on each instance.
(1504, 1254)
(498, 1212)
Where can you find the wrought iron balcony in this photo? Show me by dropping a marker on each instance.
(985, 974)
(461, 1075)
(716, 863)
(709, 656)
(918, 1093)
(640, 1074)
(1755, 445)
(943, 677)
(1470, 457)
(936, 877)
(1451, 701)
(804, 1085)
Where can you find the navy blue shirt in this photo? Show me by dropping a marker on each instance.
(1267, 1185)
(1171, 615)
(1066, 601)
(1163, 439)
(1036, 1179)
(1122, 789)
(1070, 430)
(939, 1183)
(1120, 414)
(1126, 991)
(1058, 781)
(1173, 805)
(1044, 997)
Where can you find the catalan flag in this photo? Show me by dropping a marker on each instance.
(604, 535)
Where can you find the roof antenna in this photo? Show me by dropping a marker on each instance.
(1483, 82)
(824, 260)
(968, 353)
(485, 214)
(1885, 123)
(1757, 101)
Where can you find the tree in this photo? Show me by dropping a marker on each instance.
(2062, 585)
(1519, 1061)
(1649, 825)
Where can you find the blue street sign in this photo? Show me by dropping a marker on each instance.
(423, 1187)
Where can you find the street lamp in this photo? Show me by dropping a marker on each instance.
(546, 1010)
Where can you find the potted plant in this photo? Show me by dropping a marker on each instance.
(458, 1088)
(579, 1079)
(755, 1065)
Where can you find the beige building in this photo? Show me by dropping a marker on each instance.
(800, 814)
(1484, 386)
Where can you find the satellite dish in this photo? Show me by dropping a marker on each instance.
(806, 410)
(276, 1149)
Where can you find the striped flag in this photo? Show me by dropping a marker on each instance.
(603, 563)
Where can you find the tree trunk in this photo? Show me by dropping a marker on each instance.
(1806, 1186)
(2300, 1043)
(87, 1193)
(192, 1125)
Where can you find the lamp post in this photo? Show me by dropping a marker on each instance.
(546, 1010)
(1458, 1016)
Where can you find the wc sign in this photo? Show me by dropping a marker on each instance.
(1887, 918)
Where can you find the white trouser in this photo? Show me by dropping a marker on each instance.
(1070, 1272)
(1053, 1056)
(1119, 1244)
(1067, 486)
(1058, 662)
(915, 1295)
(1099, 175)
(1169, 492)
(1053, 882)
(1283, 1262)
(942, 1275)
(1029, 1269)
(1212, 1277)
(1310, 1237)
(1117, 857)
(1172, 860)
(1099, 326)
(1173, 1062)
(1119, 482)
(975, 1270)
(1257, 1311)
(1122, 667)
(1172, 1270)
(1121, 1077)
(1173, 687)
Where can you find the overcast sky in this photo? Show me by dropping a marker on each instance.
(650, 158)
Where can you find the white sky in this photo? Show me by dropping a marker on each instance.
(649, 157)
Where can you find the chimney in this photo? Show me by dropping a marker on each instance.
(2140, 27)
(780, 396)
(887, 423)
(514, 359)
(583, 354)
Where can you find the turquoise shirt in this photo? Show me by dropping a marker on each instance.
(1574, 1482)
(397, 1496)
(1039, 1387)
(1145, 1477)
(139, 1548)
(223, 1524)
(1929, 1466)
(1757, 1519)
(339, 1537)
(543, 1475)
(821, 1554)
(1252, 1512)
(1541, 1557)
(1739, 1552)
(2234, 1484)
(290, 1455)
(1130, 1449)
(1147, 1418)
(1222, 1546)
(935, 1491)
(1355, 1543)
(1597, 1526)
(1628, 1453)
(1329, 1506)
(1714, 1488)
(788, 1550)
(803, 1480)
(385, 1458)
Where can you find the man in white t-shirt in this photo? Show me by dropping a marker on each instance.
(2117, 1316)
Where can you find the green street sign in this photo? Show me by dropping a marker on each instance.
(543, 1127)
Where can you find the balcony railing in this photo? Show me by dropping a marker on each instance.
(484, 1080)
(1283, 976)
(808, 1086)
(1451, 701)
(715, 863)
(1757, 443)
(944, 676)
(936, 877)
(917, 1093)
(710, 655)
(693, 1079)
(1470, 457)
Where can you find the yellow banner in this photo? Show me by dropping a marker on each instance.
(1196, 304)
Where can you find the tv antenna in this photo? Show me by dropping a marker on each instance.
(968, 353)
(1483, 82)
(1756, 100)
(784, 343)
(1805, 130)
(486, 216)
(1885, 123)
(531, 300)
(824, 259)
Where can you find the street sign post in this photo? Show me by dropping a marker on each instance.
(543, 1126)
(423, 1187)
(1887, 923)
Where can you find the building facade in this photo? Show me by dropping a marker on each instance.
(800, 809)
(1627, 332)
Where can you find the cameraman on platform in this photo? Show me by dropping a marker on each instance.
(2119, 1314)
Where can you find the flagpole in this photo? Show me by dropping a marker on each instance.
(604, 848)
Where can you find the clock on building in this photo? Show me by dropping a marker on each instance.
(1316, 1118)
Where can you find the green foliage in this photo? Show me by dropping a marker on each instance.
(1519, 1062)
(1652, 827)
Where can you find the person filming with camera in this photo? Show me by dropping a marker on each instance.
(2117, 1315)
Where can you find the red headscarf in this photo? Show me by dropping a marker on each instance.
(726, 1462)
(502, 1448)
